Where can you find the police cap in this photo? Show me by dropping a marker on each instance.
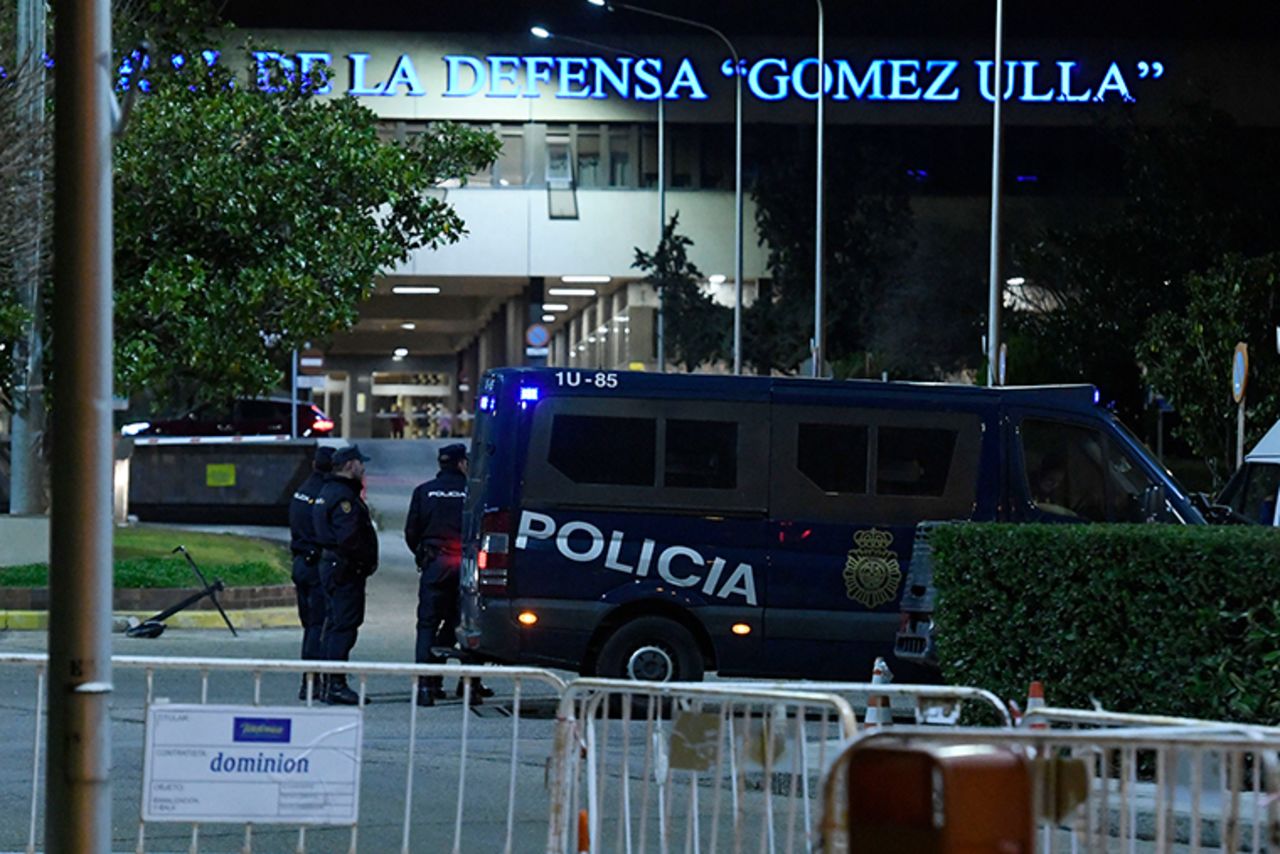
(324, 458)
(347, 454)
(453, 454)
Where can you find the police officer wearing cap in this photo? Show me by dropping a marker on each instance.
(306, 563)
(348, 556)
(433, 532)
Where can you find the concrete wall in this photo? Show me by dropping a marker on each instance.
(512, 235)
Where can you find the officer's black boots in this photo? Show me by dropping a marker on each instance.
(317, 681)
(479, 691)
(339, 694)
(430, 690)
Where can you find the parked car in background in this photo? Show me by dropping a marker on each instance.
(243, 417)
(1253, 490)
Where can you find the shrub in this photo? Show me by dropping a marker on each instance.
(1143, 618)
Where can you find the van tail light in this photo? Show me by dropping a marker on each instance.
(493, 560)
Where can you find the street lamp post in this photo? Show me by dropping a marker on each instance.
(994, 288)
(544, 33)
(737, 160)
(818, 343)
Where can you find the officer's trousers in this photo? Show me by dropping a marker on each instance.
(438, 612)
(311, 605)
(344, 597)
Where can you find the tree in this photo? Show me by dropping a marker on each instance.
(696, 329)
(24, 156)
(1195, 188)
(249, 222)
(868, 233)
(1187, 353)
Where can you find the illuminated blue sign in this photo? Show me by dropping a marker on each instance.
(768, 79)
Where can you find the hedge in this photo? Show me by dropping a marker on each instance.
(1160, 619)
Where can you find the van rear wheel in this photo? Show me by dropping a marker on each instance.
(651, 649)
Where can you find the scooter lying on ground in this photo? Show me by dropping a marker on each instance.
(154, 626)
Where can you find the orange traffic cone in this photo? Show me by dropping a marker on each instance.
(879, 713)
(584, 833)
(1035, 700)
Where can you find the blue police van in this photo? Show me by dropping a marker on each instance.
(656, 526)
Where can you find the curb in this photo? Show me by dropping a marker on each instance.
(256, 618)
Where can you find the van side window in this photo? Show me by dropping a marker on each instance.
(1259, 503)
(834, 457)
(604, 449)
(628, 453)
(1064, 466)
(701, 454)
(879, 466)
(913, 461)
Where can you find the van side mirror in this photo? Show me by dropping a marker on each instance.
(1152, 502)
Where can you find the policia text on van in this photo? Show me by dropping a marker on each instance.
(659, 525)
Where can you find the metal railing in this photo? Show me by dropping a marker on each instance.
(632, 759)
(1152, 789)
(480, 743)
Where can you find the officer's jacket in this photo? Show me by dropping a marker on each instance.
(302, 526)
(435, 516)
(343, 525)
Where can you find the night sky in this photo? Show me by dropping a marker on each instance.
(1254, 20)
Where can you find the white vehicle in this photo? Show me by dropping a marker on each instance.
(1254, 490)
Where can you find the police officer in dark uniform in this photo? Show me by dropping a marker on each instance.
(433, 532)
(306, 563)
(348, 556)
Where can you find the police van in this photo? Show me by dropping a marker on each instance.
(655, 526)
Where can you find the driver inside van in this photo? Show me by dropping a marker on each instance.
(1049, 485)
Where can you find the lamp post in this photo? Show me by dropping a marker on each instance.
(737, 160)
(543, 33)
(994, 288)
(818, 343)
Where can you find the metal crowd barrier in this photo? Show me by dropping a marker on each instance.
(481, 744)
(634, 761)
(940, 704)
(1149, 788)
(1053, 716)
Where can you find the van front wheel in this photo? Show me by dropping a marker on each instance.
(651, 649)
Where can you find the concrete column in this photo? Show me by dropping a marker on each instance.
(484, 352)
(514, 315)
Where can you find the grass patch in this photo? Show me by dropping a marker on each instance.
(144, 558)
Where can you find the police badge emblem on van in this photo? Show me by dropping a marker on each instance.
(871, 572)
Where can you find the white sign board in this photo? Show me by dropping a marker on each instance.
(259, 764)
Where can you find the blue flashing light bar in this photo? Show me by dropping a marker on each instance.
(529, 394)
(486, 403)
(1097, 396)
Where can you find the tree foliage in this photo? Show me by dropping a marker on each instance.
(25, 161)
(248, 223)
(868, 234)
(1188, 355)
(1195, 188)
(695, 328)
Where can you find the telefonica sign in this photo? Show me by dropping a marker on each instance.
(769, 78)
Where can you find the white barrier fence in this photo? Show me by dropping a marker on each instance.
(1143, 789)
(602, 765)
(647, 766)
(456, 808)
